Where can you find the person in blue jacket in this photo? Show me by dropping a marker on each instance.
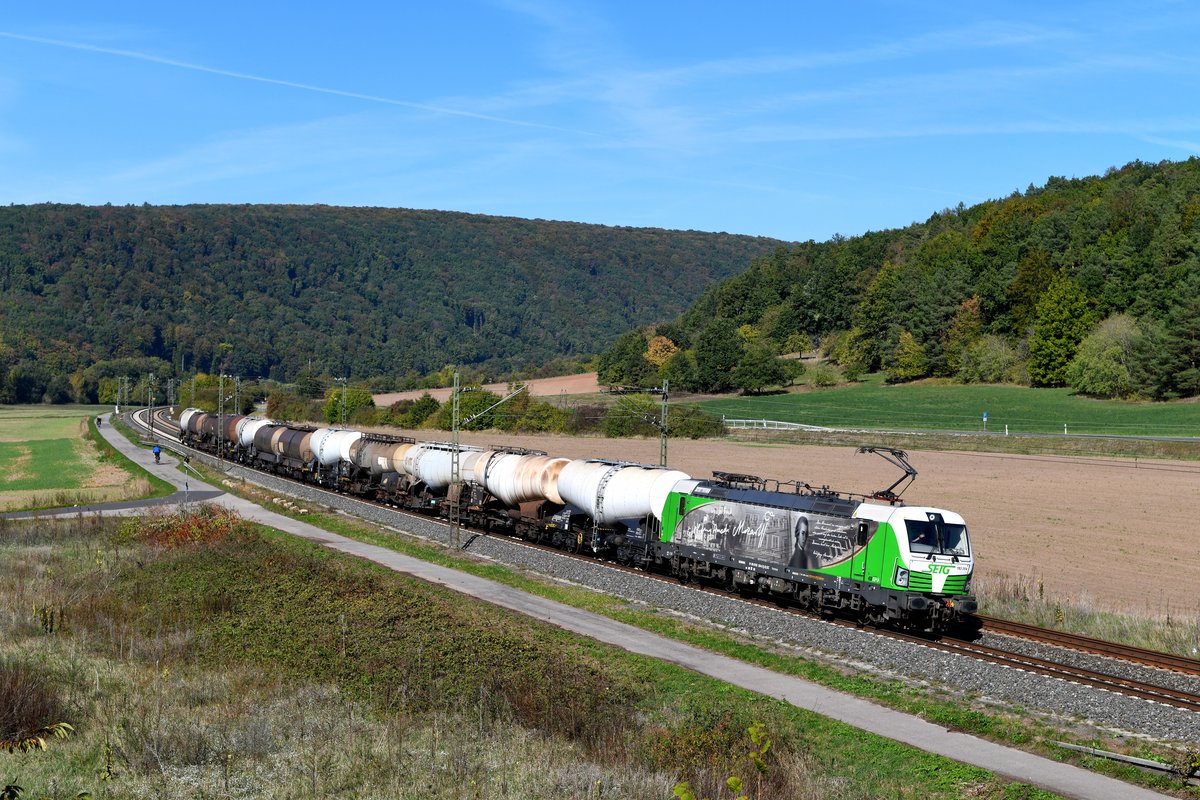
(157, 452)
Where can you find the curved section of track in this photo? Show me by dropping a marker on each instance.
(164, 426)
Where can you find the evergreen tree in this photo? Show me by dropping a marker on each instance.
(1169, 357)
(965, 327)
(718, 352)
(875, 319)
(1064, 317)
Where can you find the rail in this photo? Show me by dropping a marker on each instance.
(1087, 644)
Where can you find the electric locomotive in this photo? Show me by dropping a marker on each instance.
(871, 558)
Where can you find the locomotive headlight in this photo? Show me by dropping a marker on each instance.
(901, 577)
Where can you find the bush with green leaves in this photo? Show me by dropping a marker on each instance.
(692, 422)
(823, 375)
(343, 403)
(1106, 361)
(989, 359)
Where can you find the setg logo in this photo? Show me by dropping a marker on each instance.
(939, 569)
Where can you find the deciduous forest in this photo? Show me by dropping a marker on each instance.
(1092, 283)
(378, 295)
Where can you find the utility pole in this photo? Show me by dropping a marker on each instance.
(661, 422)
(343, 381)
(237, 395)
(220, 421)
(455, 470)
(150, 383)
(662, 430)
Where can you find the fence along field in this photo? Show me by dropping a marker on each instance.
(47, 459)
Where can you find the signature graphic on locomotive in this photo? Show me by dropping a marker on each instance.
(800, 540)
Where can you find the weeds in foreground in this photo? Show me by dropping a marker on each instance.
(735, 784)
(251, 665)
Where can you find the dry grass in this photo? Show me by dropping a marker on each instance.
(1025, 599)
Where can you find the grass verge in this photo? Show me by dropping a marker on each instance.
(200, 657)
(110, 454)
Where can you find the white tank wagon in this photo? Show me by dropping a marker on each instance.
(515, 478)
(186, 417)
(432, 462)
(612, 491)
(474, 466)
(331, 446)
(248, 427)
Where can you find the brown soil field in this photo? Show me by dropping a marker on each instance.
(1116, 534)
(542, 387)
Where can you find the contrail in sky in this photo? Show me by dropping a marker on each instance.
(290, 84)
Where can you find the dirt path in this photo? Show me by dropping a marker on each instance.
(542, 387)
(1117, 533)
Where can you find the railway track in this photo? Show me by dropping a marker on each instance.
(166, 428)
(1086, 644)
(1087, 677)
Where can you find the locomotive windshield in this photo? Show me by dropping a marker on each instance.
(937, 537)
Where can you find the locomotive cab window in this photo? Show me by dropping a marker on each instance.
(936, 537)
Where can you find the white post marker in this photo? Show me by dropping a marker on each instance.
(985, 420)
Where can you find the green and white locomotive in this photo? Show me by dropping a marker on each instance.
(870, 558)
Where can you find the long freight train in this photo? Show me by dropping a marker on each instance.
(868, 557)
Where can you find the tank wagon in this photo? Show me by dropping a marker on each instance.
(868, 557)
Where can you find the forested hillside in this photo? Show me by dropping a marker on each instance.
(276, 290)
(1092, 283)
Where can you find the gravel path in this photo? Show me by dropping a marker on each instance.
(848, 648)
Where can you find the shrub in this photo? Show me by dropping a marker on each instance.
(30, 704)
(824, 374)
(204, 524)
(585, 419)
(692, 422)
(1104, 365)
(631, 415)
(989, 359)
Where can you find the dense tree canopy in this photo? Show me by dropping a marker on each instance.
(291, 291)
(1007, 290)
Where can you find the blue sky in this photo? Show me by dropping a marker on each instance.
(785, 119)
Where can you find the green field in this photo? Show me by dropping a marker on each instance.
(48, 459)
(954, 407)
(40, 465)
